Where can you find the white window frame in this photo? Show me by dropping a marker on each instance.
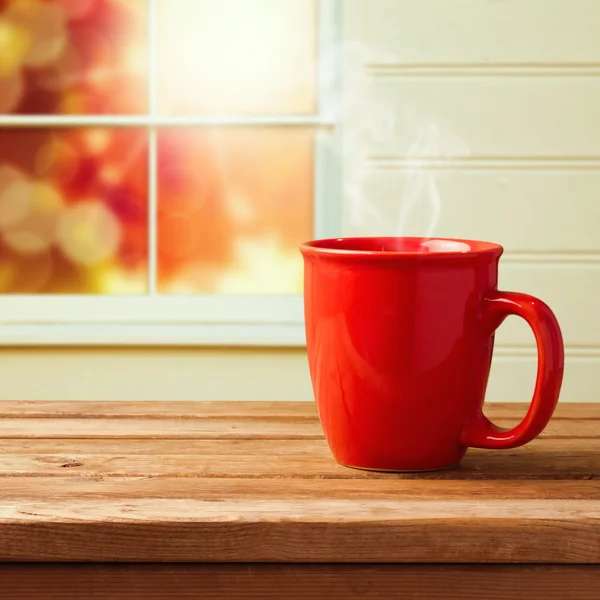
(207, 320)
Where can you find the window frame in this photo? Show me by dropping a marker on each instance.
(203, 320)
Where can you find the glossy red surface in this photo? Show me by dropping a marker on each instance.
(400, 335)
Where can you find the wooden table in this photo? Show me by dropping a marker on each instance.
(243, 500)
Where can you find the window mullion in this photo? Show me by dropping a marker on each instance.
(328, 144)
(145, 120)
(154, 318)
(152, 151)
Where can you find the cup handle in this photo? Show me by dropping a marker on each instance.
(480, 432)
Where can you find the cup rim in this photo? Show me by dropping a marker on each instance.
(327, 247)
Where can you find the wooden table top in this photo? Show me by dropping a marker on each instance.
(255, 482)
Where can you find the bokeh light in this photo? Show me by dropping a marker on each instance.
(73, 56)
(233, 203)
(65, 227)
(233, 206)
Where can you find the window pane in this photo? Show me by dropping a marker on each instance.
(73, 56)
(237, 56)
(73, 211)
(233, 207)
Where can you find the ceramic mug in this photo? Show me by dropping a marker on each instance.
(400, 335)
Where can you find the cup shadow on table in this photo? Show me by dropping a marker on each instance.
(533, 462)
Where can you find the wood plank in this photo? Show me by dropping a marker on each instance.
(316, 461)
(214, 489)
(157, 410)
(462, 531)
(275, 428)
(213, 410)
(132, 446)
(245, 446)
(298, 582)
(266, 488)
(541, 459)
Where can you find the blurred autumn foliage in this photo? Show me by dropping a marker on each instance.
(232, 204)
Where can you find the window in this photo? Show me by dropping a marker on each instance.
(160, 162)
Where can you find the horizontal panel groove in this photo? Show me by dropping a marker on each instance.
(483, 163)
(475, 476)
(388, 64)
(516, 351)
(552, 258)
(482, 70)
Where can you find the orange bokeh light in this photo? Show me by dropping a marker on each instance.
(233, 203)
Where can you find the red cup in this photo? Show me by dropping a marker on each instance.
(400, 335)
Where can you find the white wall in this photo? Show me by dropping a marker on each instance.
(501, 101)
(513, 88)
(153, 374)
(225, 374)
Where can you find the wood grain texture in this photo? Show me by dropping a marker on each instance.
(279, 428)
(288, 427)
(242, 482)
(210, 410)
(97, 487)
(298, 582)
(157, 410)
(153, 446)
(347, 531)
(305, 459)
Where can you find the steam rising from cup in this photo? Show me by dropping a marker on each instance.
(418, 141)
